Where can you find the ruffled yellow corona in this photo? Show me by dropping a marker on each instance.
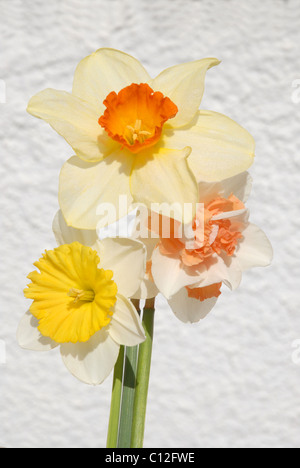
(72, 297)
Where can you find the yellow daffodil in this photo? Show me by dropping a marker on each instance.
(81, 302)
(140, 137)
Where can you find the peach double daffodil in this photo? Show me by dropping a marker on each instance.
(81, 301)
(189, 266)
(140, 137)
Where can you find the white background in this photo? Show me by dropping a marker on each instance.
(230, 380)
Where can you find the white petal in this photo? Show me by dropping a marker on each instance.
(127, 259)
(255, 249)
(30, 338)
(184, 85)
(104, 71)
(220, 147)
(169, 275)
(233, 275)
(239, 185)
(147, 290)
(220, 268)
(94, 195)
(230, 214)
(93, 361)
(188, 309)
(124, 227)
(150, 244)
(75, 120)
(66, 235)
(126, 327)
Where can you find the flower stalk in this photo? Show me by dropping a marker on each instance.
(130, 388)
(143, 377)
(123, 431)
(129, 383)
(113, 427)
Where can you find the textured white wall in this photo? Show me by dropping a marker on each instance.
(229, 381)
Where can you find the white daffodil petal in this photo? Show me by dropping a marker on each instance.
(221, 148)
(230, 214)
(66, 235)
(220, 268)
(127, 259)
(124, 227)
(240, 218)
(94, 195)
(105, 71)
(255, 249)
(165, 184)
(126, 327)
(93, 361)
(184, 85)
(150, 244)
(75, 120)
(188, 309)
(147, 290)
(233, 277)
(239, 185)
(30, 338)
(169, 276)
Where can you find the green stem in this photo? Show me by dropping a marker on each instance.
(142, 378)
(129, 381)
(112, 436)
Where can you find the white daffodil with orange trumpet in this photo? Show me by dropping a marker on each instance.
(137, 136)
(81, 301)
(189, 270)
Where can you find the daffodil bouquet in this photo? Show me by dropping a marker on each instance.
(145, 152)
